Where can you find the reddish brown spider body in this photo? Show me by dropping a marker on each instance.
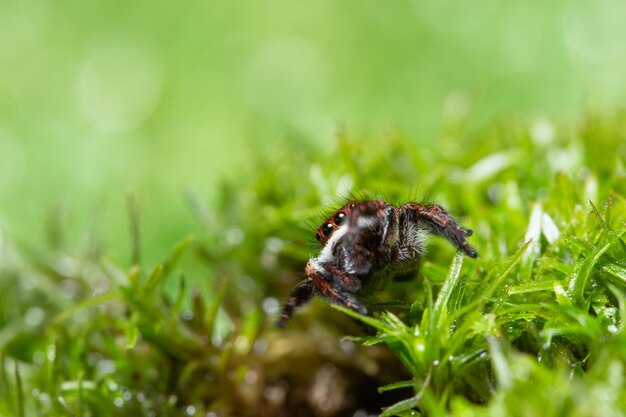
(364, 244)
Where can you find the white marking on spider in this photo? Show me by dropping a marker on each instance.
(415, 240)
(327, 252)
(366, 222)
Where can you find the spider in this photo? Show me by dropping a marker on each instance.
(364, 244)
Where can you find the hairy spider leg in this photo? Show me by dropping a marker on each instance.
(351, 284)
(389, 224)
(333, 288)
(301, 294)
(437, 220)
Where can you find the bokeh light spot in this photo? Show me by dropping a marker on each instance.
(596, 30)
(118, 87)
(287, 79)
(455, 15)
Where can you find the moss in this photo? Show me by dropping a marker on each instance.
(534, 326)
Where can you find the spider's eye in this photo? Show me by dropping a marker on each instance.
(318, 236)
(327, 229)
(352, 205)
(339, 218)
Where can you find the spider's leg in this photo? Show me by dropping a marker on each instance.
(436, 219)
(389, 223)
(333, 289)
(301, 294)
(352, 284)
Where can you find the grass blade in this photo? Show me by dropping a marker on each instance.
(492, 285)
(89, 302)
(578, 282)
(375, 323)
(135, 231)
(500, 364)
(397, 385)
(401, 407)
(446, 292)
(19, 390)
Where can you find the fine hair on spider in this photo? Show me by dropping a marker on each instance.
(367, 242)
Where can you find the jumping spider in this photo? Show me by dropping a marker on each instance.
(365, 243)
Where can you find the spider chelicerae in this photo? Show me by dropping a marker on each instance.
(364, 244)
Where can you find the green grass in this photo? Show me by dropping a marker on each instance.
(534, 326)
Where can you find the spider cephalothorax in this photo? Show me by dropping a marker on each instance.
(364, 243)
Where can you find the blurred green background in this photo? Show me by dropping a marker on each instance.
(100, 99)
(241, 122)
